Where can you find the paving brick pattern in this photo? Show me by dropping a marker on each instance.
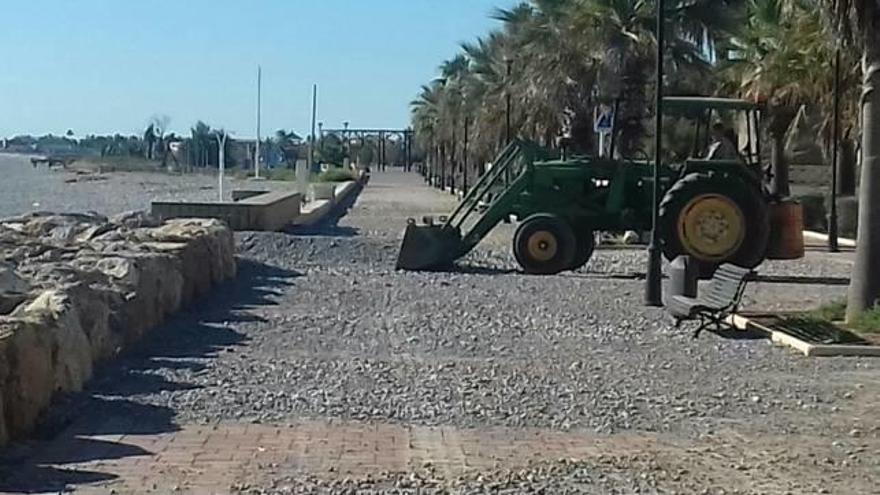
(213, 458)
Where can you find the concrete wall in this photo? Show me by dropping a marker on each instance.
(96, 290)
(270, 211)
(315, 211)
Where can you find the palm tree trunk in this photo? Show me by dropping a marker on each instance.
(779, 165)
(864, 290)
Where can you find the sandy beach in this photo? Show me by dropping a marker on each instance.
(24, 188)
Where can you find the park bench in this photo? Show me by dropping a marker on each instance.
(715, 303)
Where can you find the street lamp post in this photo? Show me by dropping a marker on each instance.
(321, 136)
(653, 280)
(312, 136)
(346, 145)
(835, 145)
(409, 144)
(464, 157)
(221, 157)
(507, 97)
(259, 111)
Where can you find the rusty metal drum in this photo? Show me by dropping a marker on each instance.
(786, 230)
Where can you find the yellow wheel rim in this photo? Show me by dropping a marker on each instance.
(711, 227)
(542, 245)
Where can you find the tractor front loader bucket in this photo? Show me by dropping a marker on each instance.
(433, 246)
(428, 247)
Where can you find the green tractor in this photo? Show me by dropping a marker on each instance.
(716, 211)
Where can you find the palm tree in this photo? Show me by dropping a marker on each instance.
(563, 52)
(858, 23)
(288, 142)
(426, 124)
(784, 57)
(201, 144)
(149, 141)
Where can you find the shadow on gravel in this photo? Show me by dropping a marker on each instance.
(731, 334)
(796, 279)
(479, 270)
(329, 227)
(76, 429)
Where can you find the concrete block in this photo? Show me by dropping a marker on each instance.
(270, 211)
(322, 191)
(240, 194)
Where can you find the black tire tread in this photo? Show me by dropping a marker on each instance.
(568, 243)
(753, 251)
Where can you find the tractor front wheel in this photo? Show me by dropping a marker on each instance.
(544, 244)
(715, 220)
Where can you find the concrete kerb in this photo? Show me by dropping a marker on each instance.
(820, 237)
(747, 323)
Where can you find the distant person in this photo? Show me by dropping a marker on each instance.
(722, 147)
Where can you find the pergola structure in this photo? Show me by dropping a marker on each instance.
(382, 135)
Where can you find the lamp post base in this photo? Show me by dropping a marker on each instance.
(654, 278)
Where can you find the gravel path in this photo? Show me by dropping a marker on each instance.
(322, 326)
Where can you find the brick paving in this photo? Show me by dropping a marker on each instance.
(213, 458)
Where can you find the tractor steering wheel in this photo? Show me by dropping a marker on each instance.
(639, 154)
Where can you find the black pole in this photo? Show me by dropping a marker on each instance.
(314, 116)
(453, 162)
(464, 159)
(612, 147)
(406, 152)
(321, 136)
(442, 166)
(653, 280)
(832, 216)
(381, 152)
(508, 101)
(346, 145)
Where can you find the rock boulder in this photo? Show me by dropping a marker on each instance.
(76, 289)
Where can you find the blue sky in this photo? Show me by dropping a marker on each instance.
(104, 66)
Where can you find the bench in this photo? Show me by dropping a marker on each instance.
(715, 303)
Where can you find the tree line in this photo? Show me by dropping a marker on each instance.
(554, 62)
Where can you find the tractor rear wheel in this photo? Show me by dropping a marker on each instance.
(585, 246)
(544, 244)
(715, 220)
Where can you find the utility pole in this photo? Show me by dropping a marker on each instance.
(259, 111)
(321, 136)
(654, 278)
(312, 137)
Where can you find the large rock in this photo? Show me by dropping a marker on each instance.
(76, 289)
(100, 318)
(29, 378)
(135, 220)
(13, 289)
(63, 227)
(54, 313)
